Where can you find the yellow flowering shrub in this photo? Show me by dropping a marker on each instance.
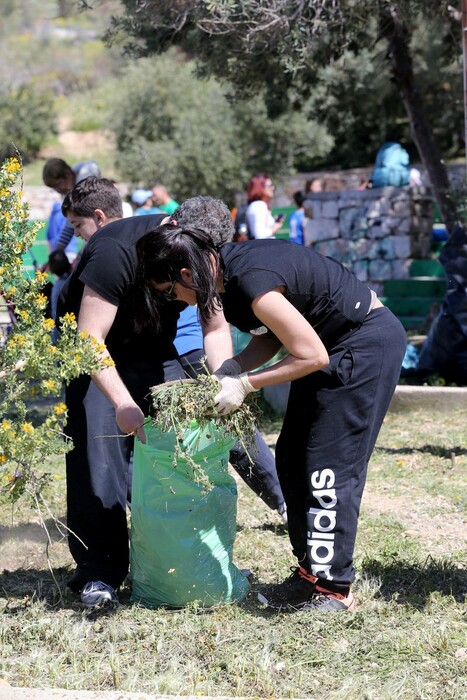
(29, 364)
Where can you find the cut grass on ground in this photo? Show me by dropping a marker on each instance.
(406, 640)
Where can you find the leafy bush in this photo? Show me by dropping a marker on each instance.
(29, 363)
(27, 119)
(192, 135)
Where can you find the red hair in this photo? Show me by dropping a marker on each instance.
(256, 189)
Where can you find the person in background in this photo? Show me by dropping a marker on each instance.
(142, 201)
(344, 351)
(61, 177)
(162, 199)
(60, 266)
(415, 178)
(296, 221)
(127, 208)
(261, 222)
(55, 226)
(365, 183)
(313, 185)
(126, 203)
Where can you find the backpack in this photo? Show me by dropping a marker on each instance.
(242, 232)
(392, 166)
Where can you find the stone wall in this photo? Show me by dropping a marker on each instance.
(376, 233)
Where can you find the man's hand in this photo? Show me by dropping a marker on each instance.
(233, 392)
(130, 420)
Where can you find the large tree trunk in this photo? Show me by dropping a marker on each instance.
(396, 34)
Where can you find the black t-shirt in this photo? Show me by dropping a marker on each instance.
(328, 295)
(108, 266)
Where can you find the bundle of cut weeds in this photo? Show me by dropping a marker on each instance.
(178, 403)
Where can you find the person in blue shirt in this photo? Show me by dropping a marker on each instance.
(55, 226)
(143, 203)
(61, 177)
(296, 231)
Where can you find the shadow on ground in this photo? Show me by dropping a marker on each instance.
(412, 584)
(435, 450)
(406, 583)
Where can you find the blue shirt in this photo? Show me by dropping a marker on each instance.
(189, 333)
(296, 233)
(55, 226)
(141, 211)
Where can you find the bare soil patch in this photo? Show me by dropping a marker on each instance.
(79, 144)
(443, 532)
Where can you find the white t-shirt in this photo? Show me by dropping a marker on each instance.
(260, 220)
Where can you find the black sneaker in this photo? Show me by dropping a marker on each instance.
(293, 593)
(328, 601)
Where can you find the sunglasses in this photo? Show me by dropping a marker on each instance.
(168, 294)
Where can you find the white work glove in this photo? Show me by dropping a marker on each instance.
(229, 368)
(233, 392)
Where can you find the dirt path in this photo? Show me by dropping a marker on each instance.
(419, 522)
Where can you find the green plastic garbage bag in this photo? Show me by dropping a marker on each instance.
(184, 521)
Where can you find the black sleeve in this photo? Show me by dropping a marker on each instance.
(255, 282)
(109, 271)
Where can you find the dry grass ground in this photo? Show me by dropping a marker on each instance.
(406, 640)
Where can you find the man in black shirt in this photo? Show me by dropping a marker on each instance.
(100, 294)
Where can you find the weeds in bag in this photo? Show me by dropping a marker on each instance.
(180, 403)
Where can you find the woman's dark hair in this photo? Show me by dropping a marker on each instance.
(162, 253)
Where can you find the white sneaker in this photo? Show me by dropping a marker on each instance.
(96, 593)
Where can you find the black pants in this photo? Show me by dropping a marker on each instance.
(330, 428)
(98, 475)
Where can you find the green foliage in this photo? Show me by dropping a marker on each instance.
(58, 50)
(195, 137)
(89, 110)
(29, 363)
(279, 42)
(355, 99)
(27, 119)
(324, 58)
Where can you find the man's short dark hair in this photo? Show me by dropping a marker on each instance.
(209, 214)
(91, 194)
(298, 198)
(54, 169)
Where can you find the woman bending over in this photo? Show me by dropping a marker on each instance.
(344, 354)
